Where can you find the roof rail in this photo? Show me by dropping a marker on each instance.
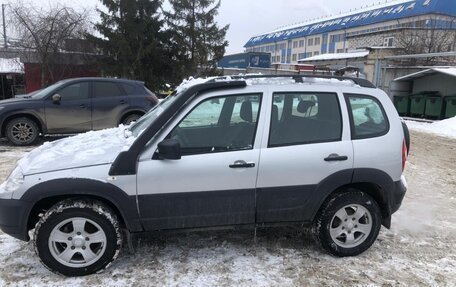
(299, 78)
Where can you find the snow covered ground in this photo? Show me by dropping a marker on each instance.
(419, 250)
(444, 128)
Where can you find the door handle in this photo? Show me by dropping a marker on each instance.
(336, 157)
(242, 164)
(122, 102)
(83, 106)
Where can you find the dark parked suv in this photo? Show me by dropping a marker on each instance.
(73, 106)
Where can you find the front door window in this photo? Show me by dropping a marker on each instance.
(219, 124)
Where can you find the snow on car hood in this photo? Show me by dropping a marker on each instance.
(91, 148)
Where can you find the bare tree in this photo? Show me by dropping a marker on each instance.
(430, 39)
(42, 33)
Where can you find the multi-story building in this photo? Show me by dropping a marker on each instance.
(392, 24)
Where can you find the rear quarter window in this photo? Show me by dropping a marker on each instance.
(367, 116)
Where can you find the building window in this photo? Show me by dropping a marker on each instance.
(294, 57)
(310, 42)
(301, 56)
(336, 38)
(388, 42)
(316, 53)
(317, 41)
(340, 51)
(295, 44)
(420, 24)
(301, 43)
(309, 54)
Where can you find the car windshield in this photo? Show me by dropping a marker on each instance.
(151, 116)
(44, 92)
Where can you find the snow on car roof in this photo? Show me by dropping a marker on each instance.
(266, 80)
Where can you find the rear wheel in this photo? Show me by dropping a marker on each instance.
(22, 131)
(76, 238)
(348, 224)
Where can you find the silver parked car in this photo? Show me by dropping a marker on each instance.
(252, 151)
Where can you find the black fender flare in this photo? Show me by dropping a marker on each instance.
(125, 204)
(338, 180)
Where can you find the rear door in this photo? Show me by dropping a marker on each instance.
(307, 150)
(109, 102)
(72, 114)
(213, 184)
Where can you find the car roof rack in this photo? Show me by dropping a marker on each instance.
(299, 78)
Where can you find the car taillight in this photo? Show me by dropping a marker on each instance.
(404, 155)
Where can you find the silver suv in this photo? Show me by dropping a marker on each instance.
(253, 151)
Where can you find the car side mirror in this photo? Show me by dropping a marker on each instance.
(169, 149)
(56, 98)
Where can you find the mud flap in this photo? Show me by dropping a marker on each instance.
(386, 221)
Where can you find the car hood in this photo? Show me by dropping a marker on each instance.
(88, 149)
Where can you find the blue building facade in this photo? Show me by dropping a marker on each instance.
(339, 34)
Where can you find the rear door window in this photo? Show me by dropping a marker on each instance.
(304, 118)
(367, 116)
(106, 89)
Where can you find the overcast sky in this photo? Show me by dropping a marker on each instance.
(251, 17)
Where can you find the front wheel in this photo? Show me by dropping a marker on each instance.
(348, 224)
(22, 131)
(77, 238)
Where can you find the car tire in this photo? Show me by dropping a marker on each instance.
(348, 223)
(78, 237)
(131, 118)
(22, 131)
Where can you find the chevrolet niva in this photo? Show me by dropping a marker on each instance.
(249, 151)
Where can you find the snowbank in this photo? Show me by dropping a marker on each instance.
(444, 128)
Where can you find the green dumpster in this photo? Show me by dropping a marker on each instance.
(434, 107)
(449, 106)
(417, 105)
(402, 104)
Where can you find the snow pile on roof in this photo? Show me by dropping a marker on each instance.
(338, 56)
(271, 81)
(12, 65)
(94, 147)
(451, 71)
(444, 128)
(190, 82)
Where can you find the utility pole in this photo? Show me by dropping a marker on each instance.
(4, 26)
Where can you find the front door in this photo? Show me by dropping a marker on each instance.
(73, 113)
(213, 184)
